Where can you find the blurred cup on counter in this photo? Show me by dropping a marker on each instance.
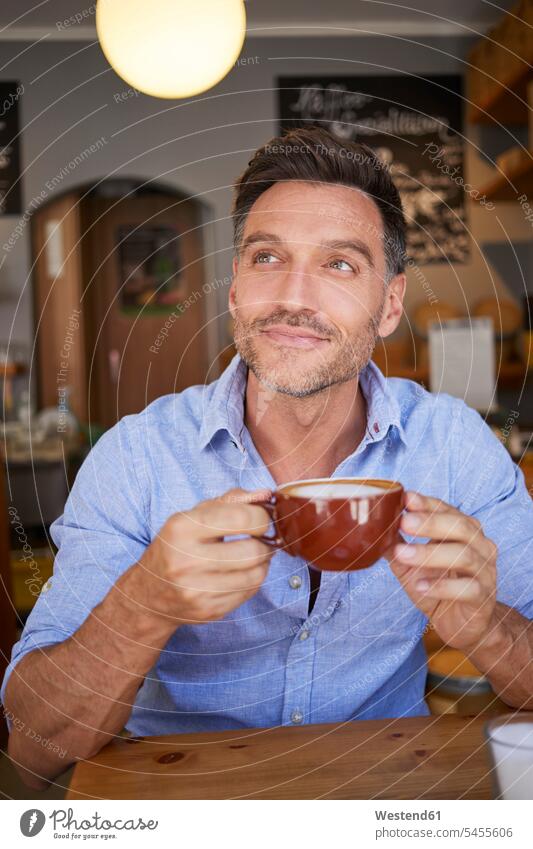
(510, 743)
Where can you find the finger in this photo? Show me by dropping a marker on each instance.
(220, 583)
(215, 519)
(447, 555)
(224, 604)
(245, 496)
(236, 555)
(445, 525)
(451, 589)
(406, 572)
(231, 555)
(418, 501)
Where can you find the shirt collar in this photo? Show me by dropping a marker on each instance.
(383, 409)
(224, 410)
(225, 407)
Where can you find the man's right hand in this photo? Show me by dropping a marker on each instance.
(189, 575)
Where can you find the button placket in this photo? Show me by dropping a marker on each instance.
(299, 678)
(332, 587)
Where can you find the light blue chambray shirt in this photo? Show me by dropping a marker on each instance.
(359, 655)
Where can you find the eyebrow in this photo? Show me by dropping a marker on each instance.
(337, 244)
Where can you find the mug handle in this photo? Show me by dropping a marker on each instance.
(274, 541)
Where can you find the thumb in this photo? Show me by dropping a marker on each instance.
(245, 496)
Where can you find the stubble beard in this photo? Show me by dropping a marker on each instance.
(283, 372)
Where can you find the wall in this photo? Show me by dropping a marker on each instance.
(72, 99)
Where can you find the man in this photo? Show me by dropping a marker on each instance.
(166, 613)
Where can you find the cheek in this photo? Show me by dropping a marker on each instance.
(254, 297)
(348, 309)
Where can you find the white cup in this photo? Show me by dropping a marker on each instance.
(510, 741)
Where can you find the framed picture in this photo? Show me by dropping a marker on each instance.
(149, 278)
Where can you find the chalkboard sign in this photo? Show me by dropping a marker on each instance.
(415, 125)
(10, 194)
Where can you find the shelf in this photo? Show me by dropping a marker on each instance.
(11, 369)
(509, 374)
(395, 369)
(509, 186)
(526, 464)
(503, 104)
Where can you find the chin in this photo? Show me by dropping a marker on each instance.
(294, 372)
(287, 380)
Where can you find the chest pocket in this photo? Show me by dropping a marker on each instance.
(380, 609)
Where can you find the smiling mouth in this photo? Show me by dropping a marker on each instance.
(294, 337)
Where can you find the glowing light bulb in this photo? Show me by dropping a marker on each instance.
(171, 48)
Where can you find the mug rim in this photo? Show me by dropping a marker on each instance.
(384, 483)
(492, 725)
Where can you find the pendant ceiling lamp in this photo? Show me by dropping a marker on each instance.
(171, 48)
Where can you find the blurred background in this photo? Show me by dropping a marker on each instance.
(116, 236)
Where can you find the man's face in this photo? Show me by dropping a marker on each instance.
(309, 288)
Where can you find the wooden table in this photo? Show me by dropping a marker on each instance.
(436, 757)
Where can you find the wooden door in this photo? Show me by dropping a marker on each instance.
(144, 277)
(58, 312)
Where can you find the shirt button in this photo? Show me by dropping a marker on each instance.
(295, 582)
(303, 635)
(296, 717)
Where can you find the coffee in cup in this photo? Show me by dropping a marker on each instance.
(337, 524)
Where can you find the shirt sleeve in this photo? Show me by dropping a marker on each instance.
(491, 487)
(101, 533)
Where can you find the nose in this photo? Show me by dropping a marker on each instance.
(297, 288)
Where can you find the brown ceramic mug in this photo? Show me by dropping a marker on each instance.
(336, 524)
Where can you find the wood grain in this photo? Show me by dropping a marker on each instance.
(436, 757)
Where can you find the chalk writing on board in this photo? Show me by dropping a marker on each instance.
(10, 194)
(401, 118)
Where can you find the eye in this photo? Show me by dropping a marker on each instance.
(264, 258)
(341, 262)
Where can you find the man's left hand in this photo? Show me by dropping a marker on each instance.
(451, 578)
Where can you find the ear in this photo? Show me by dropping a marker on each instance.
(393, 308)
(232, 299)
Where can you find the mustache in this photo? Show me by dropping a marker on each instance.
(299, 319)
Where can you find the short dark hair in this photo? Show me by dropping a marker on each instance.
(315, 155)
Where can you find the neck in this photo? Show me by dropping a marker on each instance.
(300, 438)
